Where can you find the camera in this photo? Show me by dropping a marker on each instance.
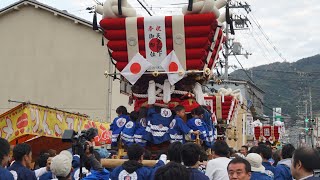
(79, 139)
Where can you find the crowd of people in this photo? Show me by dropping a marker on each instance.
(181, 160)
(186, 161)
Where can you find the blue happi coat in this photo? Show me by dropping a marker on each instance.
(197, 124)
(158, 125)
(140, 131)
(127, 134)
(178, 129)
(117, 126)
(210, 128)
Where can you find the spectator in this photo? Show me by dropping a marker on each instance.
(203, 161)
(266, 153)
(190, 154)
(174, 152)
(239, 169)
(61, 165)
(147, 155)
(217, 167)
(244, 150)
(76, 168)
(52, 152)
(178, 129)
(253, 150)
(172, 171)
(21, 167)
(276, 157)
(4, 158)
(282, 170)
(304, 162)
(133, 168)
(47, 163)
(257, 169)
(93, 163)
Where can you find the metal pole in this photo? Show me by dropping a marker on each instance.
(306, 116)
(109, 94)
(311, 117)
(227, 48)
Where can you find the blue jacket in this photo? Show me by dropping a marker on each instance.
(22, 172)
(127, 134)
(158, 125)
(197, 124)
(5, 174)
(259, 176)
(117, 126)
(178, 129)
(97, 175)
(195, 174)
(270, 170)
(140, 131)
(46, 176)
(210, 128)
(282, 171)
(134, 171)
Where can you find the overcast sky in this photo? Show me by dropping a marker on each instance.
(291, 25)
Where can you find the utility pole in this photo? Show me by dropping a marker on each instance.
(240, 23)
(227, 47)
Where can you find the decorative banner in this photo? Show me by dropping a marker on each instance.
(155, 40)
(36, 120)
(250, 127)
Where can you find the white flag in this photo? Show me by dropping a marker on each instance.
(135, 68)
(172, 65)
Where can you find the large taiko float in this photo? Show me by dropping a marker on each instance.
(167, 59)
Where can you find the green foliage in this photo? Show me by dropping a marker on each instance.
(286, 83)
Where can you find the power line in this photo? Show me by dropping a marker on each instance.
(255, 21)
(144, 7)
(244, 69)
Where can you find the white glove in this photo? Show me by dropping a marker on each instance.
(163, 158)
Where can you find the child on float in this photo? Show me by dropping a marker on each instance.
(118, 124)
(178, 128)
(127, 134)
(196, 123)
(141, 127)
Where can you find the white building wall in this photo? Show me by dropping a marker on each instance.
(51, 60)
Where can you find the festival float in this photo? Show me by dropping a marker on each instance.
(167, 59)
(42, 127)
(267, 133)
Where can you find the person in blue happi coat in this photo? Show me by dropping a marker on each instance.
(133, 168)
(210, 127)
(4, 158)
(178, 128)
(141, 127)
(196, 124)
(127, 134)
(158, 121)
(118, 124)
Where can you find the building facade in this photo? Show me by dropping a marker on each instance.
(53, 58)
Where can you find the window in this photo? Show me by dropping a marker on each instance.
(125, 88)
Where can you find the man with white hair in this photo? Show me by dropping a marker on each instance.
(257, 169)
(61, 166)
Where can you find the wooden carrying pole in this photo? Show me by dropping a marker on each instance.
(112, 163)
